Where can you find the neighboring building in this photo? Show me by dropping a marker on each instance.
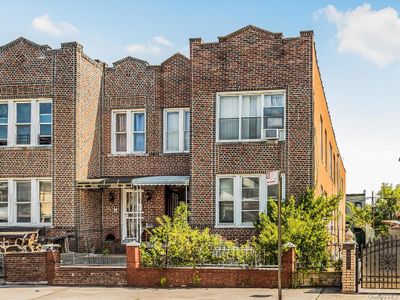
(358, 200)
(100, 151)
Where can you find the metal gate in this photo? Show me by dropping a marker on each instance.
(2, 268)
(379, 264)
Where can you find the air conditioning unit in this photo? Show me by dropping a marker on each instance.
(274, 134)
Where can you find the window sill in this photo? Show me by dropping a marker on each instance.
(127, 154)
(218, 143)
(41, 225)
(233, 226)
(175, 153)
(25, 147)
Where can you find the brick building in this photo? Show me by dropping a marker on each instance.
(100, 152)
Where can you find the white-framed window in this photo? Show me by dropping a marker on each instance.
(25, 201)
(239, 199)
(3, 124)
(129, 131)
(176, 130)
(250, 116)
(25, 122)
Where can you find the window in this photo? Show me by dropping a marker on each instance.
(321, 124)
(330, 160)
(3, 124)
(250, 199)
(240, 199)
(129, 132)
(244, 117)
(45, 202)
(45, 120)
(326, 150)
(25, 202)
(176, 130)
(3, 202)
(25, 123)
(138, 132)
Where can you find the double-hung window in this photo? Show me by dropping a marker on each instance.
(240, 198)
(3, 124)
(250, 116)
(25, 122)
(129, 132)
(3, 202)
(25, 202)
(45, 202)
(176, 130)
(45, 123)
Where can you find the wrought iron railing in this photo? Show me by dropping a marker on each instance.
(90, 259)
(223, 257)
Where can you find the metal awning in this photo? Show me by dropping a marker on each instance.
(112, 182)
(161, 180)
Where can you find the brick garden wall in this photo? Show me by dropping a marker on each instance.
(25, 267)
(90, 276)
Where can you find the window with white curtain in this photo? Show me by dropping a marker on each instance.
(240, 199)
(25, 122)
(244, 116)
(25, 202)
(129, 132)
(176, 130)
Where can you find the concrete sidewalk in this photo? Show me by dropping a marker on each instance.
(98, 293)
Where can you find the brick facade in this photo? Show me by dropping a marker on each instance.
(25, 267)
(85, 92)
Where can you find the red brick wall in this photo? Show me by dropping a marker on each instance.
(160, 87)
(90, 276)
(25, 267)
(246, 60)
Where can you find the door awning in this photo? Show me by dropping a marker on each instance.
(112, 182)
(161, 180)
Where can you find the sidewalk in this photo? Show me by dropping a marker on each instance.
(98, 293)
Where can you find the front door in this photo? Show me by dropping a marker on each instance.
(132, 215)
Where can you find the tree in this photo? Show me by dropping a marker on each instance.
(304, 223)
(386, 207)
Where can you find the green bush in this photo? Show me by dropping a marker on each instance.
(175, 243)
(304, 223)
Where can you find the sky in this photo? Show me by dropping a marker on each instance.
(357, 42)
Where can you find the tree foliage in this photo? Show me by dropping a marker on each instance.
(304, 223)
(385, 208)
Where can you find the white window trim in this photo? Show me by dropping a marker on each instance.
(181, 139)
(240, 95)
(35, 207)
(38, 121)
(129, 131)
(237, 210)
(35, 125)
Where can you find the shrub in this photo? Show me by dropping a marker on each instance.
(304, 223)
(175, 243)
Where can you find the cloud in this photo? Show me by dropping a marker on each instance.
(372, 34)
(156, 46)
(162, 41)
(47, 25)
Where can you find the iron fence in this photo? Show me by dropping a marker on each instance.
(90, 259)
(219, 257)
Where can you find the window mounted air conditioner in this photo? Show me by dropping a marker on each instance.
(274, 134)
(271, 134)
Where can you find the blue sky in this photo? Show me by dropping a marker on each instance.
(358, 45)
